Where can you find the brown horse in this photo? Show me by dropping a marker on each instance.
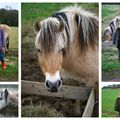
(67, 45)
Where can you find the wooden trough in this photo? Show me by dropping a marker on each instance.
(67, 92)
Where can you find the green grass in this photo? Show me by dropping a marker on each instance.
(109, 61)
(108, 9)
(11, 73)
(108, 101)
(35, 11)
(109, 12)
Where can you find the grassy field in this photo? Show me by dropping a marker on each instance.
(107, 9)
(32, 12)
(110, 57)
(110, 64)
(11, 59)
(108, 102)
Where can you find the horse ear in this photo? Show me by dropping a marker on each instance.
(36, 26)
(62, 26)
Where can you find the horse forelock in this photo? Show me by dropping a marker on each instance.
(48, 34)
(87, 26)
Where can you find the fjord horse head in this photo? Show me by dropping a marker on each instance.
(56, 35)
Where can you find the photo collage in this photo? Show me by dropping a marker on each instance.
(59, 59)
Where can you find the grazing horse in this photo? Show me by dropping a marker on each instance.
(110, 30)
(67, 46)
(7, 31)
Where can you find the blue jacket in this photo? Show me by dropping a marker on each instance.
(2, 39)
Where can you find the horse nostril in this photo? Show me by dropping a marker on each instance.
(53, 87)
(59, 83)
(48, 84)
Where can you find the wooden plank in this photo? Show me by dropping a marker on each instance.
(90, 105)
(69, 92)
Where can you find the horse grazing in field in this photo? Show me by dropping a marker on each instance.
(7, 31)
(67, 46)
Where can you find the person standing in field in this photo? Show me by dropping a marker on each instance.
(116, 41)
(6, 95)
(117, 105)
(2, 47)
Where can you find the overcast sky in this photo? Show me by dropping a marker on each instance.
(108, 83)
(12, 5)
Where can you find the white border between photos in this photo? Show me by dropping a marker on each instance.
(19, 60)
(100, 60)
(18, 82)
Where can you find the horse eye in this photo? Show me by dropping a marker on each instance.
(38, 50)
(61, 50)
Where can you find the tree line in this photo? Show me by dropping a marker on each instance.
(114, 86)
(9, 17)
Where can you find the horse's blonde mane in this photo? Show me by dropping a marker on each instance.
(88, 26)
(49, 31)
(86, 23)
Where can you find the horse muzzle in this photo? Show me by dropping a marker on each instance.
(53, 86)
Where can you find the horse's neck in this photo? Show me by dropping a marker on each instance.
(72, 56)
(85, 65)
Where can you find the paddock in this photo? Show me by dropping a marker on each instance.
(38, 98)
(66, 92)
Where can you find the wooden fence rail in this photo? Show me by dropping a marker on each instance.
(69, 92)
(90, 105)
